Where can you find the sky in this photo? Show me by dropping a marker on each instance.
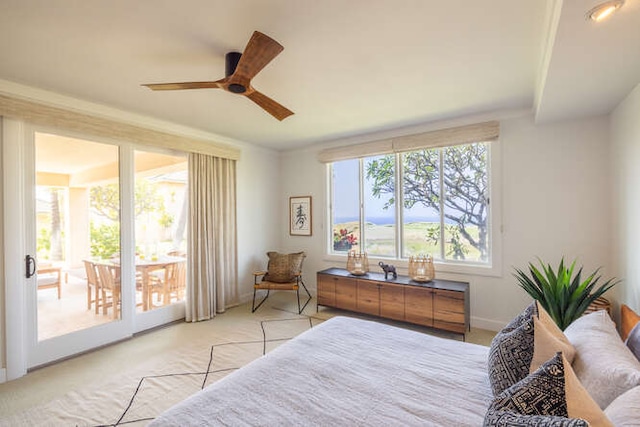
(346, 196)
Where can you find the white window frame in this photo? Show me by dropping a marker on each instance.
(492, 268)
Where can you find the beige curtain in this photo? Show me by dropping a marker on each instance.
(212, 275)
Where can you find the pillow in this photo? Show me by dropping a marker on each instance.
(633, 341)
(628, 320)
(603, 364)
(283, 268)
(523, 345)
(550, 396)
(625, 410)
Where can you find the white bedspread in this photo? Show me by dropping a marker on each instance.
(349, 372)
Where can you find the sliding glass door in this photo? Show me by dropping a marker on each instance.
(105, 242)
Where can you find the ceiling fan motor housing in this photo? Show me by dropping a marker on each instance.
(231, 62)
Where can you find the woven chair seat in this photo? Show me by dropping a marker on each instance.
(291, 286)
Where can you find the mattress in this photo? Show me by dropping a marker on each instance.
(349, 372)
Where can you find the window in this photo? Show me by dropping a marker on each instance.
(444, 209)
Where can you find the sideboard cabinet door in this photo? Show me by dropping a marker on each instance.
(392, 301)
(368, 297)
(418, 305)
(345, 293)
(449, 311)
(326, 290)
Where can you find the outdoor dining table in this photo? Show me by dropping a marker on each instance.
(144, 267)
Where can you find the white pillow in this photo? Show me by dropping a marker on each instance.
(625, 410)
(603, 364)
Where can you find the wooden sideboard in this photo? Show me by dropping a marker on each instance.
(440, 304)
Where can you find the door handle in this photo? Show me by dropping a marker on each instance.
(30, 264)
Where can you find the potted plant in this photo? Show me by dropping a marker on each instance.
(344, 240)
(564, 296)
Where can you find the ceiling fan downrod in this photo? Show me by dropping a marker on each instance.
(231, 62)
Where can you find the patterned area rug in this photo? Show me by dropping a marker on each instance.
(135, 398)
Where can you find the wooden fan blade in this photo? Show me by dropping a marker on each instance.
(269, 105)
(185, 85)
(260, 50)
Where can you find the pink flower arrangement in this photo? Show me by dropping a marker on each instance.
(343, 240)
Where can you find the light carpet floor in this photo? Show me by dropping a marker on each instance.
(130, 383)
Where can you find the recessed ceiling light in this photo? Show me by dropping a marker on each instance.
(604, 10)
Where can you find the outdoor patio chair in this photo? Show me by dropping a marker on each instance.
(109, 276)
(172, 283)
(50, 277)
(93, 285)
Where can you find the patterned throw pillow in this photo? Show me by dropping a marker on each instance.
(630, 329)
(550, 396)
(283, 268)
(523, 345)
(633, 341)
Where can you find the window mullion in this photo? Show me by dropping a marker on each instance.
(399, 195)
(361, 196)
(331, 216)
(442, 196)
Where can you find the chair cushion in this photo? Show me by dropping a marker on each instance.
(550, 396)
(523, 345)
(603, 363)
(283, 268)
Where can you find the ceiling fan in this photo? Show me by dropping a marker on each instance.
(240, 69)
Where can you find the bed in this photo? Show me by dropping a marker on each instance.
(355, 372)
(349, 371)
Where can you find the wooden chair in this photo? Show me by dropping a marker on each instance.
(173, 284)
(93, 285)
(109, 276)
(284, 273)
(50, 277)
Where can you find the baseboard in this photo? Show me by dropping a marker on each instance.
(3, 375)
(488, 324)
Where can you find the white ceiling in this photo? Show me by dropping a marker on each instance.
(349, 67)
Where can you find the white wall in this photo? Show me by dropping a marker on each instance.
(258, 213)
(556, 203)
(625, 144)
(303, 175)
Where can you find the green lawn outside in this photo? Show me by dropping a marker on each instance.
(380, 240)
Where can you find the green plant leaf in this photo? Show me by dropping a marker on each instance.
(562, 294)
